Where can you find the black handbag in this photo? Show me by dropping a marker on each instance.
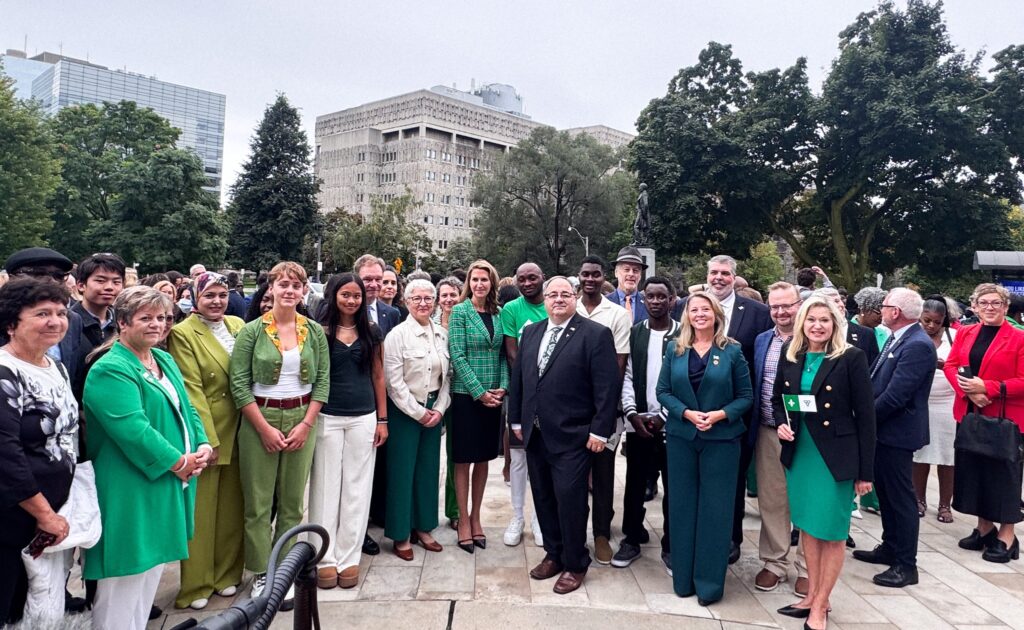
(995, 438)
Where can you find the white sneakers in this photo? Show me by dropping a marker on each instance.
(228, 591)
(199, 604)
(514, 532)
(538, 537)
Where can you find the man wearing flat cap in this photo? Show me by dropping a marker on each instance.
(44, 263)
(629, 268)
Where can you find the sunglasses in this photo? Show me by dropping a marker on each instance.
(43, 272)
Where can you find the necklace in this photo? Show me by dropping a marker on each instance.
(347, 327)
(14, 353)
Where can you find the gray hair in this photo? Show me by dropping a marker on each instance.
(722, 259)
(827, 292)
(140, 297)
(870, 299)
(418, 283)
(908, 301)
(368, 259)
(450, 281)
(548, 282)
(419, 274)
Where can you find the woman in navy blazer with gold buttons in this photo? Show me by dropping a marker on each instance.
(705, 389)
(829, 453)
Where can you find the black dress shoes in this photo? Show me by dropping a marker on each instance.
(370, 546)
(793, 611)
(705, 602)
(734, 553)
(651, 490)
(977, 542)
(897, 576)
(878, 555)
(998, 551)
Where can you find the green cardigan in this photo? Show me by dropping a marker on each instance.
(477, 359)
(204, 365)
(134, 438)
(256, 359)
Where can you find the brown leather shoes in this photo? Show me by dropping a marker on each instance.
(801, 586)
(569, 582)
(433, 545)
(766, 580)
(349, 577)
(327, 578)
(404, 554)
(546, 570)
(602, 550)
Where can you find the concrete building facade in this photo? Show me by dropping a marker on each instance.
(431, 142)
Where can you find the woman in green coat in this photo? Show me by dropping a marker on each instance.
(201, 346)
(147, 446)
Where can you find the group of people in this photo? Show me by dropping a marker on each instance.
(206, 419)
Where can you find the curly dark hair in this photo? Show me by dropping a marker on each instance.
(22, 293)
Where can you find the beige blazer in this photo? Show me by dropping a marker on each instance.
(406, 367)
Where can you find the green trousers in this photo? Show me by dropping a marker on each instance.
(451, 503)
(702, 476)
(215, 553)
(414, 463)
(268, 475)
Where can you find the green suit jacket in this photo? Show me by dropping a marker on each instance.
(726, 386)
(477, 360)
(136, 434)
(204, 365)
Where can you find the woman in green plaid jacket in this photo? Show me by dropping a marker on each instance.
(475, 343)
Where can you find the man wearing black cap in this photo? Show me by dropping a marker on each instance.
(40, 262)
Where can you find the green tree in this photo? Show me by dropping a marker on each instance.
(29, 173)
(763, 267)
(904, 157)
(274, 199)
(389, 232)
(540, 188)
(126, 189)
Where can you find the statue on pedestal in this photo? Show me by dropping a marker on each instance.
(642, 223)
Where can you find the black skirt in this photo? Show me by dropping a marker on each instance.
(476, 430)
(987, 488)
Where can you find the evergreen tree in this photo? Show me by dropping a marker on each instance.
(29, 173)
(273, 202)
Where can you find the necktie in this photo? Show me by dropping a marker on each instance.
(883, 354)
(373, 313)
(629, 308)
(549, 349)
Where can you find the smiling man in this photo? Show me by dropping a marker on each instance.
(629, 268)
(100, 281)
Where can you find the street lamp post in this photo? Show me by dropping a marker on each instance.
(585, 239)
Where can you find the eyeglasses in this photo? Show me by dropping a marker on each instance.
(889, 306)
(42, 272)
(782, 307)
(419, 299)
(564, 295)
(988, 304)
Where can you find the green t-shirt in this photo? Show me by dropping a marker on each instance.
(518, 314)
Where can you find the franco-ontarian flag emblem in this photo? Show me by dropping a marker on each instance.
(805, 404)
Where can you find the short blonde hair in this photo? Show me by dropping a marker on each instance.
(686, 332)
(140, 297)
(288, 268)
(835, 347)
(988, 287)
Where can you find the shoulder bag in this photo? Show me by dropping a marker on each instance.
(995, 438)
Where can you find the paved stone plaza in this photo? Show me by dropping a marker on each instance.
(491, 589)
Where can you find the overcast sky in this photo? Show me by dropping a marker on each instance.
(575, 63)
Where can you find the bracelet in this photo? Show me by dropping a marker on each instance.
(383, 420)
(184, 463)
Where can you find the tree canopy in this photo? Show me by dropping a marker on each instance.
(552, 180)
(908, 155)
(273, 202)
(388, 232)
(29, 173)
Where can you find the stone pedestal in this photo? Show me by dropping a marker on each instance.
(647, 253)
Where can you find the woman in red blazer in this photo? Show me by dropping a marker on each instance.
(993, 350)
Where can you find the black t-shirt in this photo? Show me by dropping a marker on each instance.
(980, 347)
(351, 385)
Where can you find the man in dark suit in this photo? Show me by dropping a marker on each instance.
(629, 268)
(370, 270)
(562, 401)
(745, 319)
(901, 378)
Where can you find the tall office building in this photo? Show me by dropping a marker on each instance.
(431, 142)
(56, 81)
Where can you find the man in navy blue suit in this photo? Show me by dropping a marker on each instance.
(901, 378)
(370, 270)
(629, 268)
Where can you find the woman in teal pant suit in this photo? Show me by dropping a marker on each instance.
(705, 389)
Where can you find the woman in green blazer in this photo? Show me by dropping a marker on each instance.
(475, 343)
(147, 446)
(705, 389)
(280, 378)
(201, 346)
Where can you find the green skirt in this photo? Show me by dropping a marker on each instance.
(818, 504)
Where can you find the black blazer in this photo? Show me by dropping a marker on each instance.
(843, 429)
(579, 392)
(750, 318)
(387, 317)
(864, 338)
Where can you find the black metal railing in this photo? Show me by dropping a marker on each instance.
(298, 567)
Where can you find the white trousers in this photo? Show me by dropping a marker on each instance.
(517, 479)
(123, 603)
(340, 484)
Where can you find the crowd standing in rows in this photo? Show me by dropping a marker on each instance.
(197, 421)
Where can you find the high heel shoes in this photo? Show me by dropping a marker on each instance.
(999, 552)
